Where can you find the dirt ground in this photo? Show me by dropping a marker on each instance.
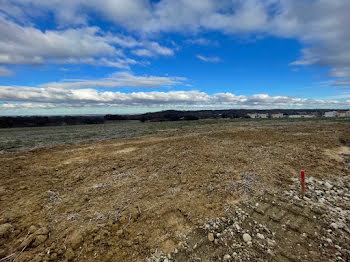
(148, 198)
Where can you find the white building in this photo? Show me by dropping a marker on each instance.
(263, 115)
(277, 115)
(258, 115)
(342, 113)
(347, 113)
(294, 116)
(331, 114)
(253, 115)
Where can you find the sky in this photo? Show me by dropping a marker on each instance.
(134, 56)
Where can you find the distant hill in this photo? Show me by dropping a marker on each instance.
(169, 115)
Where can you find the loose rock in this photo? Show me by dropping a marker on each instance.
(247, 238)
(211, 237)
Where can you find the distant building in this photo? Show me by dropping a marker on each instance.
(307, 116)
(258, 115)
(263, 115)
(331, 114)
(253, 115)
(294, 116)
(342, 113)
(277, 115)
(347, 113)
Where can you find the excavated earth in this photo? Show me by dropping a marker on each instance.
(227, 192)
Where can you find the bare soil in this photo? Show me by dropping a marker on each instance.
(130, 199)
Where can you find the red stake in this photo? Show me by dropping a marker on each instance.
(302, 183)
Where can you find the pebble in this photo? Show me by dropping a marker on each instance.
(75, 239)
(227, 258)
(247, 237)
(328, 185)
(211, 237)
(261, 236)
(39, 240)
(334, 225)
(5, 229)
(271, 242)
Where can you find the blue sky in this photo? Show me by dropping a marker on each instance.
(103, 56)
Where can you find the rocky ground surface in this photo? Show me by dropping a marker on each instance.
(279, 226)
(214, 193)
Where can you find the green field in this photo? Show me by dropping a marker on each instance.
(21, 139)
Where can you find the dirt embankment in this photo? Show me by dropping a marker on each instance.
(124, 200)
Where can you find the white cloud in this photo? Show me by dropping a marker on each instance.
(143, 52)
(325, 30)
(119, 79)
(5, 72)
(27, 45)
(27, 106)
(213, 59)
(202, 41)
(342, 82)
(76, 93)
(153, 49)
(58, 97)
(90, 45)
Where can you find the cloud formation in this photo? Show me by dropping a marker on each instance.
(57, 98)
(84, 93)
(89, 45)
(118, 79)
(5, 72)
(325, 30)
(213, 59)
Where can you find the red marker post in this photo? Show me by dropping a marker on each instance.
(302, 183)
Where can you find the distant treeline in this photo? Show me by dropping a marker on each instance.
(170, 115)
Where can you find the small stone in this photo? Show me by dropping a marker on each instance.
(261, 236)
(39, 240)
(123, 220)
(247, 237)
(120, 233)
(3, 253)
(75, 239)
(134, 213)
(271, 242)
(329, 240)
(5, 229)
(227, 257)
(32, 229)
(334, 225)
(211, 237)
(269, 251)
(328, 185)
(337, 247)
